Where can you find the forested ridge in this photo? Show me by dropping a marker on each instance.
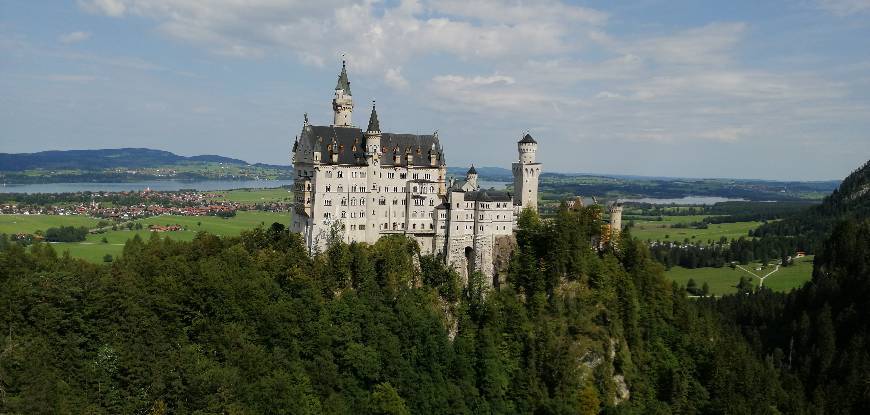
(850, 201)
(253, 324)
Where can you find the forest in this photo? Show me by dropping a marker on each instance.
(253, 324)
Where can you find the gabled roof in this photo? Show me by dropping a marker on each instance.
(472, 170)
(319, 138)
(528, 139)
(343, 82)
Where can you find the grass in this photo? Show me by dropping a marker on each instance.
(723, 280)
(12, 224)
(278, 194)
(663, 230)
(93, 249)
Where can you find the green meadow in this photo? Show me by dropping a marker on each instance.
(12, 224)
(723, 280)
(663, 230)
(94, 249)
(278, 194)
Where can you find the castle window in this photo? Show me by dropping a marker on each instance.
(343, 202)
(340, 189)
(362, 227)
(343, 214)
(339, 174)
(403, 175)
(328, 174)
(362, 201)
(382, 201)
(327, 202)
(328, 188)
(431, 202)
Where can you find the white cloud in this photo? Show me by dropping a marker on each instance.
(393, 77)
(726, 134)
(375, 36)
(845, 7)
(712, 44)
(112, 8)
(73, 37)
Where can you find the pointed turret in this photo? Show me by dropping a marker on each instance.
(342, 103)
(373, 138)
(343, 83)
(374, 124)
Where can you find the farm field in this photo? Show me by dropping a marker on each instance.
(11, 224)
(662, 230)
(723, 280)
(93, 249)
(278, 194)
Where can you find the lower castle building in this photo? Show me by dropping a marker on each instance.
(362, 184)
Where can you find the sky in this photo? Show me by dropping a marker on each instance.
(740, 89)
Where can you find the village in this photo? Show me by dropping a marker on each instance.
(122, 206)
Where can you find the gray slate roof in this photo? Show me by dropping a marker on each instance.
(320, 138)
(488, 196)
(343, 82)
(528, 139)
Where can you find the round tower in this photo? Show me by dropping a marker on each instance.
(526, 172)
(471, 177)
(527, 148)
(615, 218)
(342, 103)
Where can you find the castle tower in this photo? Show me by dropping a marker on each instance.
(373, 137)
(615, 219)
(342, 103)
(526, 172)
(471, 177)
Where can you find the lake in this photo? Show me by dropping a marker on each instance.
(167, 185)
(164, 185)
(686, 200)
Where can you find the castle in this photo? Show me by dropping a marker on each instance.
(363, 184)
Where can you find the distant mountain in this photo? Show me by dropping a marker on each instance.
(102, 159)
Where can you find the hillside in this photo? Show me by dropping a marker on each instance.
(102, 159)
(851, 200)
(126, 165)
(817, 336)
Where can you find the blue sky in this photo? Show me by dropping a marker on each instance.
(741, 89)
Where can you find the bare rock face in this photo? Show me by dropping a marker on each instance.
(503, 247)
(622, 392)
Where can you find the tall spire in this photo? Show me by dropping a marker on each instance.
(374, 125)
(343, 82)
